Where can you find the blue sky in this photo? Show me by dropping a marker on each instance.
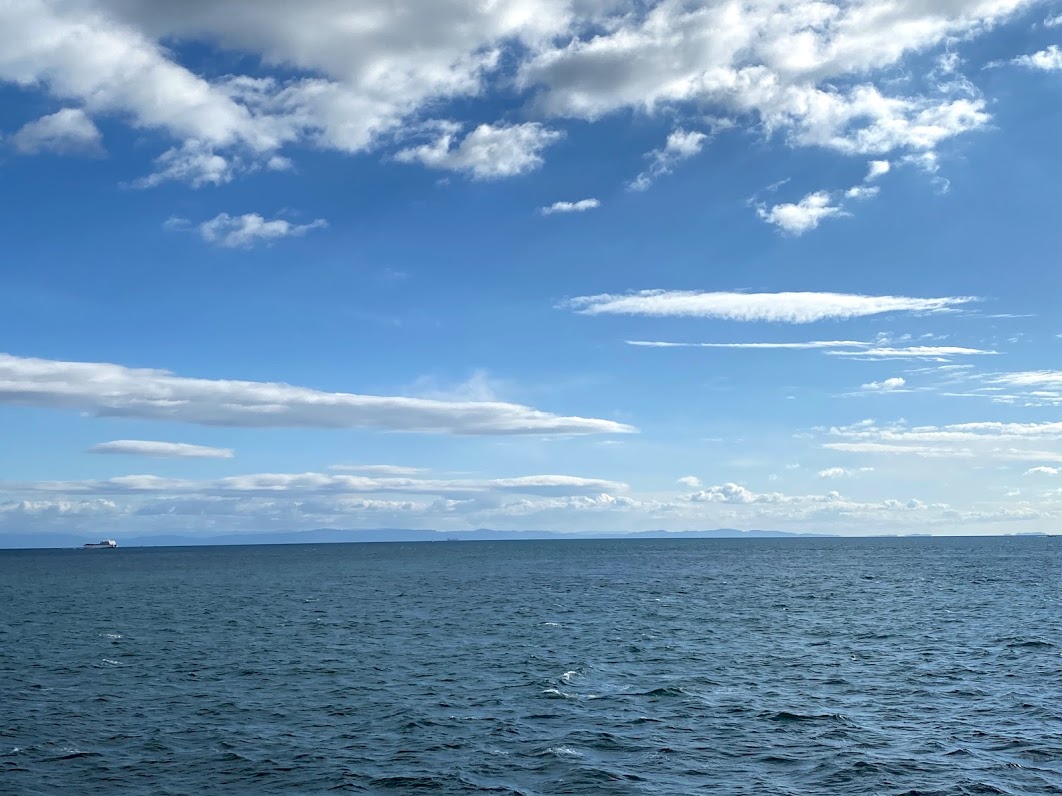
(552, 264)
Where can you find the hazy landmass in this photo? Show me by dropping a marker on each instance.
(335, 535)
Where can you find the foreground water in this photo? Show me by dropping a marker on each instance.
(885, 666)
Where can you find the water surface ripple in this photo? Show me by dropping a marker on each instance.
(874, 666)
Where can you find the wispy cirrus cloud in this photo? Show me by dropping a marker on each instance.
(923, 352)
(161, 450)
(851, 349)
(275, 484)
(811, 345)
(770, 307)
(987, 440)
(110, 390)
(681, 145)
(245, 231)
(378, 469)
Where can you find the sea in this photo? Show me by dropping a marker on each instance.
(927, 666)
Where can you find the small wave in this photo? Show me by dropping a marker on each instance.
(552, 624)
(110, 662)
(567, 676)
(786, 716)
(1030, 643)
(72, 754)
(112, 636)
(563, 751)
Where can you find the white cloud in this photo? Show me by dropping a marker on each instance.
(935, 353)
(273, 484)
(245, 231)
(860, 192)
(68, 131)
(1053, 22)
(488, 152)
(888, 385)
(810, 345)
(111, 390)
(692, 481)
(1048, 60)
(877, 168)
(366, 68)
(161, 450)
(779, 63)
(570, 207)
(1044, 471)
(1023, 388)
(986, 441)
(843, 472)
(377, 469)
(805, 215)
(681, 145)
(772, 307)
(195, 163)
(351, 77)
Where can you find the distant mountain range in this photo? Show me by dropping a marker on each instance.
(336, 535)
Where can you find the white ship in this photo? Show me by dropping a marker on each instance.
(106, 544)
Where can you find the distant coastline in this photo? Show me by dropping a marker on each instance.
(342, 536)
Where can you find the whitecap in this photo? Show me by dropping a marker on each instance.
(111, 635)
(109, 662)
(551, 624)
(564, 751)
(567, 676)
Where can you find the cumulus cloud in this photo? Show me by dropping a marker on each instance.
(68, 131)
(887, 385)
(800, 217)
(1043, 471)
(843, 472)
(110, 390)
(1049, 60)
(243, 232)
(161, 450)
(681, 145)
(877, 168)
(570, 207)
(778, 503)
(775, 62)
(692, 481)
(862, 192)
(488, 152)
(772, 307)
(354, 79)
(194, 163)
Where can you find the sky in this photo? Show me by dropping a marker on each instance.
(571, 265)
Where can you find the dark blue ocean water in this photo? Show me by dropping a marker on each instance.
(874, 666)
